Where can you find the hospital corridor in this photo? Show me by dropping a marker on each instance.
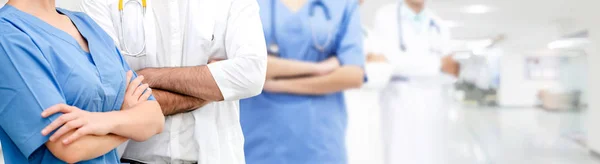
(300, 81)
(513, 136)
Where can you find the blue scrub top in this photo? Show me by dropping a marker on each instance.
(42, 66)
(284, 128)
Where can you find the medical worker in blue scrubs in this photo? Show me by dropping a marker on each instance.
(66, 95)
(315, 49)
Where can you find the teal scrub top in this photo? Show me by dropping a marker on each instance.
(41, 66)
(282, 128)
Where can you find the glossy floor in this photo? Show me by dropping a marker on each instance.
(513, 136)
(516, 136)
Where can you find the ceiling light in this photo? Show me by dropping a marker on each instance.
(477, 9)
(567, 43)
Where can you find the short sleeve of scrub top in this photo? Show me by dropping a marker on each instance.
(350, 42)
(42, 66)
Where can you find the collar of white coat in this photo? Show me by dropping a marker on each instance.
(409, 14)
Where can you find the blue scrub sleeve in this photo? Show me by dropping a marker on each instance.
(350, 42)
(28, 86)
(127, 68)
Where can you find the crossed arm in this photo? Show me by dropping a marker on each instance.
(174, 103)
(178, 81)
(87, 135)
(80, 135)
(323, 78)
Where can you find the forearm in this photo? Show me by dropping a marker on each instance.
(139, 122)
(85, 148)
(174, 103)
(194, 81)
(343, 78)
(278, 68)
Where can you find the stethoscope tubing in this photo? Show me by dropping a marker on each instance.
(125, 48)
(402, 44)
(273, 46)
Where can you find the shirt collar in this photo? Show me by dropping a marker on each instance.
(409, 14)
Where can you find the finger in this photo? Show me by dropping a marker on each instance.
(64, 108)
(140, 90)
(134, 84)
(128, 78)
(146, 95)
(67, 128)
(59, 122)
(76, 135)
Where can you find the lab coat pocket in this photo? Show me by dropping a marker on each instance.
(197, 47)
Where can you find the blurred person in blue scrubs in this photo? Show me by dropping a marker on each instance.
(66, 91)
(363, 138)
(414, 108)
(316, 52)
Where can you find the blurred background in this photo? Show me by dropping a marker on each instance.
(526, 90)
(526, 93)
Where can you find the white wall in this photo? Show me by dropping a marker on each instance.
(68, 4)
(369, 9)
(587, 10)
(515, 90)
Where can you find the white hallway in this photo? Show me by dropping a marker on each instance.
(513, 136)
(516, 136)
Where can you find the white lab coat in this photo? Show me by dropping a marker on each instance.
(363, 135)
(189, 33)
(413, 111)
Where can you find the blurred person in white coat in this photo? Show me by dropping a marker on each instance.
(199, 57)
(415, 41)
(363, 137)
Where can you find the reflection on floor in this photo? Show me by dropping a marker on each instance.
(512, 136)
(515, 136)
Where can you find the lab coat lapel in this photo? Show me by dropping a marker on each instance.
(199, 31)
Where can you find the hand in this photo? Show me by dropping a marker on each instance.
(450, 66)
(327, 66)
(134, 93)
(376, 58)
(274, 86)
(85, 123)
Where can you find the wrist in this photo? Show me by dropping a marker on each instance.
(316, 68)
(116, 120)
(149, 77)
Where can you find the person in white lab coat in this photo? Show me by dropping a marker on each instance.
(414, 40)
(172, 44)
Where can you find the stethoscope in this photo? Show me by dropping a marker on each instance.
(273, 46)
(402, 44)
(125, 50)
